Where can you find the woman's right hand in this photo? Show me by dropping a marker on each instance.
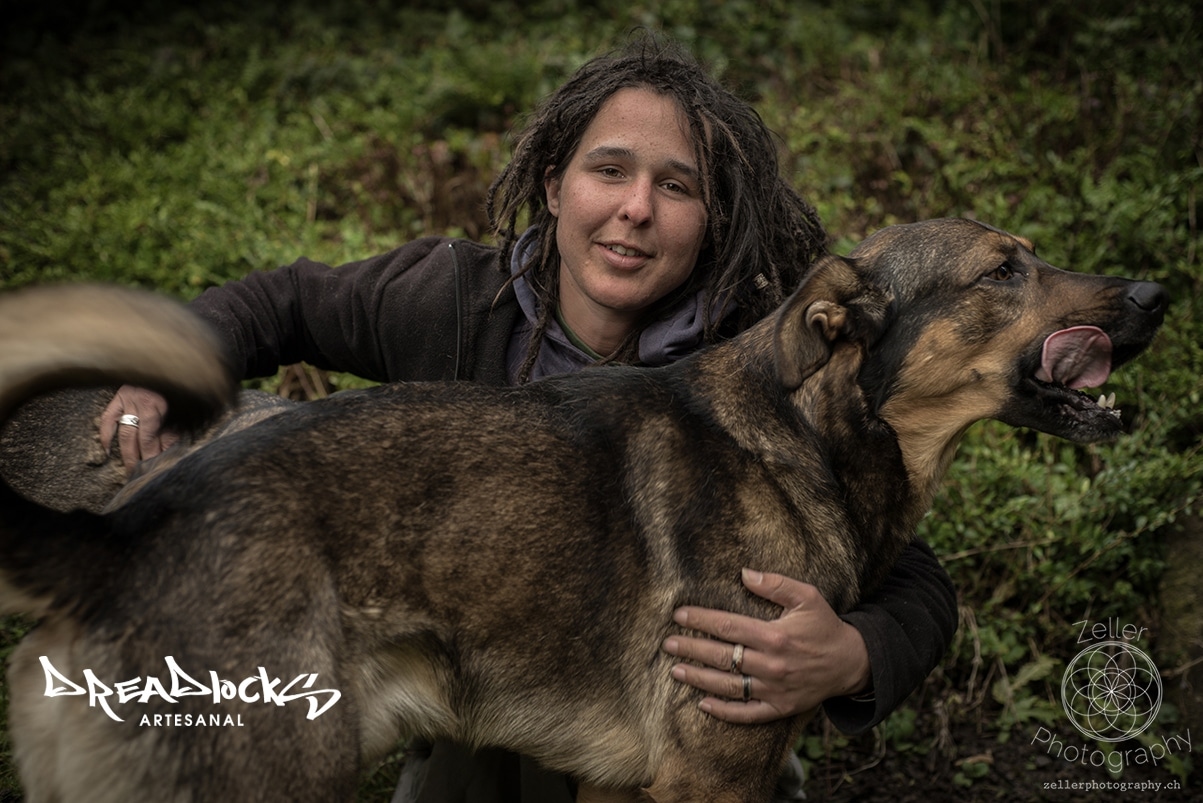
(135, 416)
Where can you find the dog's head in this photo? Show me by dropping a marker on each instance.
(954, 321)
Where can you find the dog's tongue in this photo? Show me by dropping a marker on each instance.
(1078, 357)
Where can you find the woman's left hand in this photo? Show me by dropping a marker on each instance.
(794, 662)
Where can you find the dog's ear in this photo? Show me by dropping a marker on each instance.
(833, 302)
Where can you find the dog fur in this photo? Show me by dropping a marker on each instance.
(500, 566)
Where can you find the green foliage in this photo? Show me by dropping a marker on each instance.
(1178, 764)
(901, 730)
(180, 147)
(970, 771)
(12, 630)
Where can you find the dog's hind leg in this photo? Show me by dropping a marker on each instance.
(68, 748)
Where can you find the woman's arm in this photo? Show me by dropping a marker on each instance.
(390, 317)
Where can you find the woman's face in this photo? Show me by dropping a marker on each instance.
(630, 216)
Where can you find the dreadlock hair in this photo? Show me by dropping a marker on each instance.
(761, 235)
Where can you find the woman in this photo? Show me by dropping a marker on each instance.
(656, 222)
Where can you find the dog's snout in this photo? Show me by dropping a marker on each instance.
(1148, 297)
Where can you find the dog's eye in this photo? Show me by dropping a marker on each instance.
(1003, 273)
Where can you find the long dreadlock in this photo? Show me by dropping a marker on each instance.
(761, 235)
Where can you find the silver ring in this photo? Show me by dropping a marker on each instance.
(737, 658)
(747, 687)
(128, 420)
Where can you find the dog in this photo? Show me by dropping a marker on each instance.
(499, 567)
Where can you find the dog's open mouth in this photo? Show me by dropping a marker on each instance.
(1078, 357)
(1073, 359)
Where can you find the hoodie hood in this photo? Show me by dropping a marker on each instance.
(663, 341)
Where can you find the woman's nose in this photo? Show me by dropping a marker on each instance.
(637, 205)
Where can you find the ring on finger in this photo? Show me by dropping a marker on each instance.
(128, 420)
(737, 658)
(747, 687)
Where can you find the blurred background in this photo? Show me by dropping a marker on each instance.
(178, 145)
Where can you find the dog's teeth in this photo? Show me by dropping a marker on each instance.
(1111, 401)
(1102, 402)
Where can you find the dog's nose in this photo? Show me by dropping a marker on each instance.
(1148, 297)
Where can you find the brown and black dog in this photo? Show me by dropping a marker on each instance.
(500, 566)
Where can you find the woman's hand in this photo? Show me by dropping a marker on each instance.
(794, 662)
(135, 416)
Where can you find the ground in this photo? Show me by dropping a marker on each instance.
(988, 771)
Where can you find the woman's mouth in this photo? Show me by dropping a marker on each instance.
(624, 257)
(624, 251)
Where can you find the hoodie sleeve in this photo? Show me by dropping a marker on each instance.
(907, 625)
(386, 318)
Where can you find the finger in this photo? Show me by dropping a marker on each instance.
(727, 685)
(108, 420)
(753, 712)
(150, 434)
(148, 445)
(718, 654)
(779, 589)
(728, 705)
(128, 441)
(732, 628)
(167, 439)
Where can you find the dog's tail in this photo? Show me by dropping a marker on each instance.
(89, 335)
(77, 335)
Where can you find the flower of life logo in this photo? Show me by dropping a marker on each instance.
(1111, 691)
